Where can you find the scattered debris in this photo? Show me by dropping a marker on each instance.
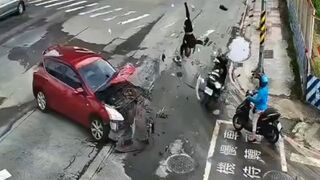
(179, 74)
(216, 112)
(193, 7)
(163, 57)
(162, 114)
(222, 7)
(206, 41)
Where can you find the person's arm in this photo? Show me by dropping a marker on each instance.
(187, 10)
(256, 98)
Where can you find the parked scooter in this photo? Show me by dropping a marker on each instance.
(268, 124)
(211, 86)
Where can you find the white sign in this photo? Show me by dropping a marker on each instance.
(228, 150)
(252, 154)
(226, 168)
(251, 172)
(230, 134)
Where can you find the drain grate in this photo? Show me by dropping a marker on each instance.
(268, 54)
(275, 175)
(180, 163)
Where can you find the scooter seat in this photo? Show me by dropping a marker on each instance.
(271, 114)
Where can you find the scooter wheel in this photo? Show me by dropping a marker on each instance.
(236, 121)
(272, 135)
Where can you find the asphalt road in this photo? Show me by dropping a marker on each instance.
(34, 145)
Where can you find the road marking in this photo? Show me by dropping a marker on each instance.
(93, 4)
(94, 10)
(46, 2)
(128, 13)
(71, 5)
(74, 9)
(215, 133)
(134, 19)
(109, 19)
(212, 147)
(32, 2)
(104, 13)
(282, 155)
(58, 3)
(140, 26)
(4, 174)
(305, 160)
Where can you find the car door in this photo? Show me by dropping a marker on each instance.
(8, 6)
(76, 105)
(54, 87)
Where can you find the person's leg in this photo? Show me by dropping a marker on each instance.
(255, 119)
(182, 49)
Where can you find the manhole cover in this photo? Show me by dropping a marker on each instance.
(180, 163)
(276, 175)
(268, 54)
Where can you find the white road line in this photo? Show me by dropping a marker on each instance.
(284, 167)
(74, 9)
(58, 3)
(71, 5)
(128, 13)
(140, 26)
(134, 19)
(93, 4)
(104, 13)
(212, 147)
(305, 160)
(94, 10)
(4, 174)
(109, 19)
(36, 1)
(46, 2)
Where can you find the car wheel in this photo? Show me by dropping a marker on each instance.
(42, 101)
(20, 8)
(99, 130)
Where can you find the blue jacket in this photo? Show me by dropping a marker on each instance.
(260, 100)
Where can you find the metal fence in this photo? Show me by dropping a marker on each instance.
(301, 13)
(315, 59)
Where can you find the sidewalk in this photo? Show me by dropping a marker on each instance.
(300, 120)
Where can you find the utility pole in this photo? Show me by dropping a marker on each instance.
(263, 33)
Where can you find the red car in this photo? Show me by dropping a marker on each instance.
(74, 81)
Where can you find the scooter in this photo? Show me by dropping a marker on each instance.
(211, 86)
(268, 124)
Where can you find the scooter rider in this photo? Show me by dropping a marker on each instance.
(189, 40)
(260, 100)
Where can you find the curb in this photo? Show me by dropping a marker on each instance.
(231, 68)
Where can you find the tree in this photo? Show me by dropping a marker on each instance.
(316, 4)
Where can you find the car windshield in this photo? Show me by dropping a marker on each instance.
(97, 74)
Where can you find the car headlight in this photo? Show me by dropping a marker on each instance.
(114, 115)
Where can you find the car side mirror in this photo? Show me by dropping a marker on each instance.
(79, 91)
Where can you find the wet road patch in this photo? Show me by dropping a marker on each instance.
(230, 156)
